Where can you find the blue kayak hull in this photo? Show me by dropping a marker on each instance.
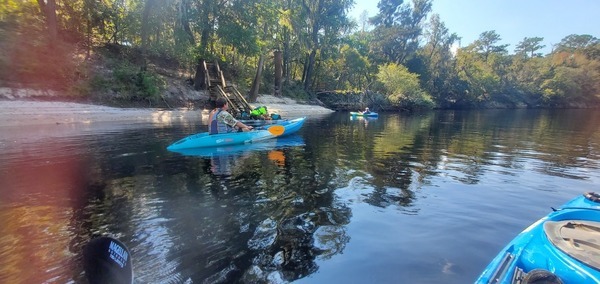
(287, 141)
(204, 139)
(545, 245)
(371, 114)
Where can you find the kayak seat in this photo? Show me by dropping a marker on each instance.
(579, 239)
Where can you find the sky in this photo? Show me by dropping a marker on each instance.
(513, 20)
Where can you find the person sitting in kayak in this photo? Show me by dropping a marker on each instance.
(221, 121)
(367, 111)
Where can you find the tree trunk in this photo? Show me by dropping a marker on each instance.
(213, 25)
(49, 11)
(145, 27)
(200, 77)
(88, 36)
(256, 83)
(184, 21)
(286, 56)
(304, 68)
(205, 10)
(253, 95)
(315, 26)
(278, 73)
(309, 69)
(315, 82)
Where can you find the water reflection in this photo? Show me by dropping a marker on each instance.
(410, 188)
(39, 197)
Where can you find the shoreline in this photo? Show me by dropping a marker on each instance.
(24, 112)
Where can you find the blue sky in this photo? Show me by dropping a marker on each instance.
(513, 20)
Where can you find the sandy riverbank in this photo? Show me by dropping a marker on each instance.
(17, 113)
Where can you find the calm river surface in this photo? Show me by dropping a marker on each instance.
(405, 198)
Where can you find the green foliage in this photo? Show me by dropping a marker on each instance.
(96, 84)
(398, 27)
(29, 57)
(526, 76)
(149, 85)
(576, 81)
(296, 91)
(592, 52)
(135, 84)
(573, 43)
(244, 39)
(321, 50)
(438, 77)
(556, 89)
(403, 87)
(488, 44)
(529, 46)
(355, 66)
(4, 73)
(470, 69)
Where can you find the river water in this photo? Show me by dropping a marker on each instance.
(404, 198)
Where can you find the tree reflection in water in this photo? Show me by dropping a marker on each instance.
(275, 214)
(284, 218)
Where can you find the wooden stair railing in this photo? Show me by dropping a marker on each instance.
(217, 87)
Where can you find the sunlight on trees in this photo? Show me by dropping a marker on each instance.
(322, 50)
(403, 87)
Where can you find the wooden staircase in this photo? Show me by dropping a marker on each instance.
(217, 87)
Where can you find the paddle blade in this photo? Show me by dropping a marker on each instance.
(107, 260)
(276, 130)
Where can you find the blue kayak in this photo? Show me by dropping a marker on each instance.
(563, 246)
(204, 139)
(363, 118)
(370, 114)
(287, 141)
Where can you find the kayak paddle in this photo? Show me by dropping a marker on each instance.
(107, 260)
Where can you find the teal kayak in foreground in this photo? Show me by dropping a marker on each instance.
(370, 114)
(563, 247)
(204, 139)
